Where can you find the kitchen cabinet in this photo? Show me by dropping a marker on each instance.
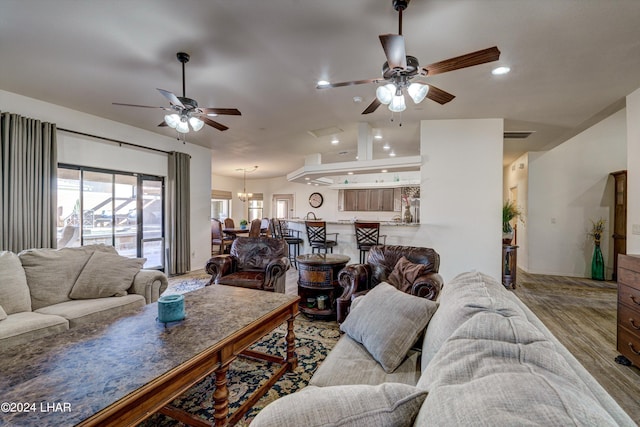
(370, 199)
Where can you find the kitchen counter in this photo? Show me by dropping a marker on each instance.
(398, 233)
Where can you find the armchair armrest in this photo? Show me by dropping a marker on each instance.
(150, 284)
(219, 266)
(353, 278)
(427, 286)
(275, 269)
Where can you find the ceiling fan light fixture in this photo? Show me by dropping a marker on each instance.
(183, 127)
(196, 123)
(397, 104)
(172, 120)
(417, 92)
(385, 93)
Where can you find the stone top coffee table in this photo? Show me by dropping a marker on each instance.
(121, 372)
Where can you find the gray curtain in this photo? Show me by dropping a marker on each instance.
(179, 211)
(28, 158)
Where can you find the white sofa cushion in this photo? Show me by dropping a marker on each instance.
(106, 275)
(498, 369)
(350, 363)
(26, 326)
(14, 292)
(80, 312)
(52, 273)
(467, 294)
(388, 404)
(388, 322)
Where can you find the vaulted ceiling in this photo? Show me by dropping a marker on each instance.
(571, 62)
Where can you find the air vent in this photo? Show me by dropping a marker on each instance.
(325, 131)
(518, 134)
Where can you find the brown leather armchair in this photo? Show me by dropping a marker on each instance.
(356, 279)
(254, 262)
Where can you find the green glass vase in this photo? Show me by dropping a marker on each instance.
(597, 264)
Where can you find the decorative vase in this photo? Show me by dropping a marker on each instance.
(507, 237)
(407, 214)
(597, 263)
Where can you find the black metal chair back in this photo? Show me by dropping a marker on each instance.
(367, 236)
(317, 235)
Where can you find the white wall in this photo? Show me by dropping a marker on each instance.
(633, 171)
(86, 151)
(568, 187)
(461, 194)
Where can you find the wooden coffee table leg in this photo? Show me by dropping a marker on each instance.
(221, 396)
(292, 357)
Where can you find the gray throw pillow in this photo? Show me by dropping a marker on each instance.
(387, 404)
(106, 275)
(387, 322)
(3, 315)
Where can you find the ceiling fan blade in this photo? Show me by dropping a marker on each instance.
(143, 106)
(438, 95)
(372, 107)
(352, 83)
(393, 45)
(470, 59)
(214, 124)
(163, 124)
(171, 97)
(222, 111)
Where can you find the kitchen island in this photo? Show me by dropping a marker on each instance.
(398, 233)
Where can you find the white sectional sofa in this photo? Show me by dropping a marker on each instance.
(46, 291)
(485, 360)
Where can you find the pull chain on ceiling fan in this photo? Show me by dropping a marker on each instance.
(184, 112)
(400, 69)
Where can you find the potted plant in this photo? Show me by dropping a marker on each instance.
(509, 212)
(597, 261)
(243, 223)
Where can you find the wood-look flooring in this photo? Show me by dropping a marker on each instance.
(582, 314)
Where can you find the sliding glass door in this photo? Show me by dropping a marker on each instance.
(114, 208)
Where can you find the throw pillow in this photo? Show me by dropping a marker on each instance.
(405, 273)
(3, 315)
(387, 404)
(106, 275)
(387, 322)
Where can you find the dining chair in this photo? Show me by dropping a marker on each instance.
(317, 235)
(218, 238)
(228, 223)
(367, 235)
(292, 237)
(254, 229)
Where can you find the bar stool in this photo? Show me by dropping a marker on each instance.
(292, 237)
(367, 236)
(317, 235)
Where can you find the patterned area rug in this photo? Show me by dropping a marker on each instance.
(314, 340)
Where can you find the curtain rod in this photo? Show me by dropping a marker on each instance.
(114, 140)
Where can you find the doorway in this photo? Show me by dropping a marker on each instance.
(282, 206)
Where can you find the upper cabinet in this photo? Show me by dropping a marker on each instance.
(370, 199)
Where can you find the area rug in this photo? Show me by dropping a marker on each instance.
(314, 340)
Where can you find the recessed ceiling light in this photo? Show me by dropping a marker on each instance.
(392, 154)
(308, 183)
(335, 141)
(349, 173)
(357, 99)
(307, 178)
(323, 83)
(500, 71)
(383, 171)
(386, 147)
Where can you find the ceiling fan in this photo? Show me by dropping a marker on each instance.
(401, 68)
(184, 112)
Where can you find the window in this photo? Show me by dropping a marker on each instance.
(255, 207)
(220, 201)
(118, 209)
